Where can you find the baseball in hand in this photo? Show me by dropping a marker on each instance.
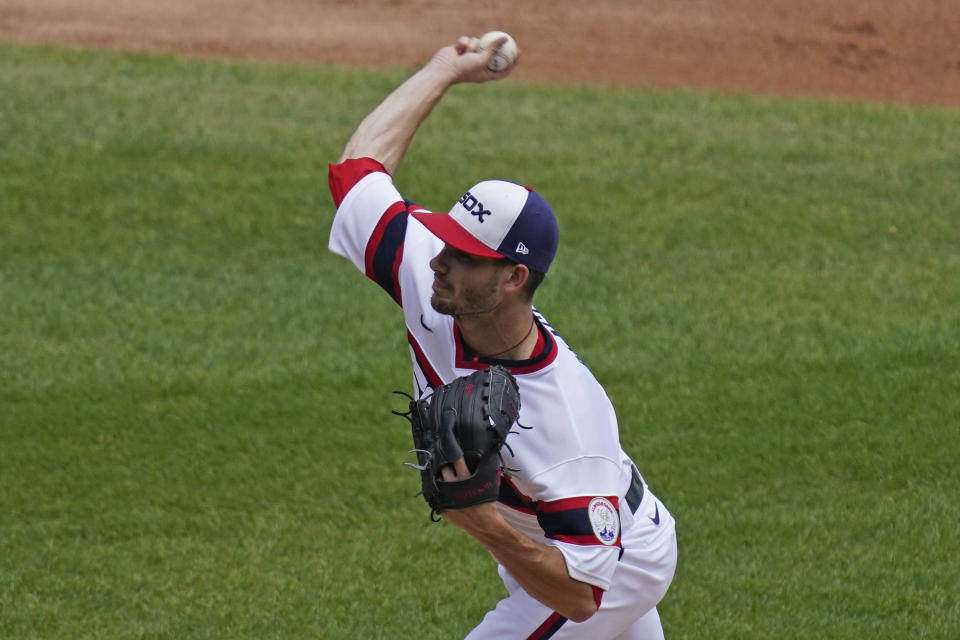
(507, 54)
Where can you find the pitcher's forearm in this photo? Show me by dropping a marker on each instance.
(386, 133)
(542, 571)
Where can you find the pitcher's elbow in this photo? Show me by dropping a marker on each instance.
(582, 611)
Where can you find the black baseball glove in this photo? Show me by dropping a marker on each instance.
(469, 418)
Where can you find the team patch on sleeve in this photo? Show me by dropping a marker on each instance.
(582, 521)
(605, 520)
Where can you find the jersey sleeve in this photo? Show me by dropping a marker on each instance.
(370, 225)
(586, 529)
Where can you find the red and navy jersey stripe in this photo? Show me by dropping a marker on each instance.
(554, 621)
(549, 627)
(565, 520)
(511, 497)
(568, 520)
(544, 353)
(385, 250)
(429, 373)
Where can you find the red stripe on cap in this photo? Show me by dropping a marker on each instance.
(449, 230)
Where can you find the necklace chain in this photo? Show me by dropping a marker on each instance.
(533, 323)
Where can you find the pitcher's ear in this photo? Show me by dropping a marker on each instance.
(519, 273)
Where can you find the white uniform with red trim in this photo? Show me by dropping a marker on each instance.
(572, 484)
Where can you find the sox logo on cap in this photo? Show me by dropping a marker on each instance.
(474, 206)
(499, 219)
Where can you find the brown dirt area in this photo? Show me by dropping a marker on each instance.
(905, 51)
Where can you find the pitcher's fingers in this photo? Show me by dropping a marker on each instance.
(468, 44)
(499, 42)
(458, 471)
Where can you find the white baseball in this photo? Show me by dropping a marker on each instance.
(507, 54)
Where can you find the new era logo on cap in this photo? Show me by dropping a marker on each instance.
(496, 218)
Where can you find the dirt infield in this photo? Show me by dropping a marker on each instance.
(904, 51)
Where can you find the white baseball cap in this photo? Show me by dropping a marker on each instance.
(499, 219)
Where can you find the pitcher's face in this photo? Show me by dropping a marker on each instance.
(465, 284)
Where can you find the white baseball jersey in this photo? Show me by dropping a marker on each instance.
(569, 478)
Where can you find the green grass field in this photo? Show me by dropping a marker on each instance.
(195, 428)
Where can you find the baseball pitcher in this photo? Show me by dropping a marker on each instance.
(517, 443)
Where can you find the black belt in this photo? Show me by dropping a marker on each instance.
(635, 492)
